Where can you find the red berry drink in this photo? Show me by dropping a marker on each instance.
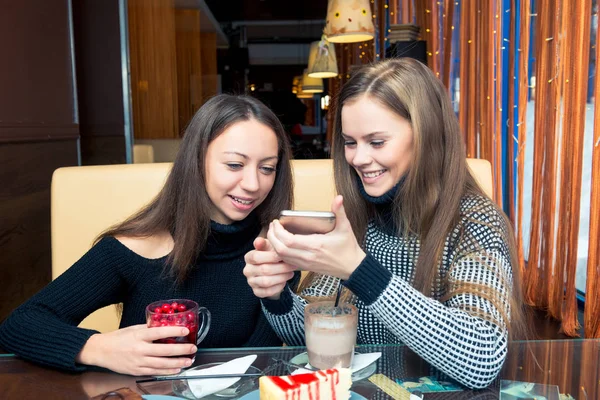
(179, 312)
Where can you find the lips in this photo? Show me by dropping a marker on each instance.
(373, 174)
(244, 201)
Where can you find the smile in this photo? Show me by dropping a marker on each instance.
(245, 202)
(373, 174)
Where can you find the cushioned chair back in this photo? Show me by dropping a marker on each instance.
(143, 153)
(88, 200)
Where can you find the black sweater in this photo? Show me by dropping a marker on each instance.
(44, 329)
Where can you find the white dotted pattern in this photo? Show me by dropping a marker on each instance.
(464, 336)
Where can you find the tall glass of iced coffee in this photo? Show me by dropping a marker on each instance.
(330, 334)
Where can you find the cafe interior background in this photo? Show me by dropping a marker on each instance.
(91, 82)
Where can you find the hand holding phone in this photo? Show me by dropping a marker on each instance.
(307, 222)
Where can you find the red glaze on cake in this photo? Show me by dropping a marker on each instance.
(331, 384)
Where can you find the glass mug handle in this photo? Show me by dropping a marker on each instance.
(203, 324)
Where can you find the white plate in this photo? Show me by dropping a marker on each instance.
(357, 374)
(256, 396)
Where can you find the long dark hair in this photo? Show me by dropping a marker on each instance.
(182, 207)
(428, 203)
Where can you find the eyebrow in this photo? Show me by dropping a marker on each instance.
(368, 136)
(245, 157)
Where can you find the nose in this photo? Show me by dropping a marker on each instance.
(250, 181)
(361, 157)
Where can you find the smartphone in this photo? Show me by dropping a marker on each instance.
(307, 222)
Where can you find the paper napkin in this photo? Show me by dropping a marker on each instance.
(204, 387)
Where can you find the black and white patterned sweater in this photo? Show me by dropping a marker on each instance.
(462, 334)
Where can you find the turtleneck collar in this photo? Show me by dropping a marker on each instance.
(225, 241)
(383, 205)
(386, 198)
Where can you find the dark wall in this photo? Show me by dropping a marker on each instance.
(280, 76)
(96, 29)
(38, 133)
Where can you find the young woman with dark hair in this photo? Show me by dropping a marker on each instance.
(231, 177)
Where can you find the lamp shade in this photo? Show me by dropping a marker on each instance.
(296, 83)
(303, 95)
(349, 21)
(311, 85)
(321, 60)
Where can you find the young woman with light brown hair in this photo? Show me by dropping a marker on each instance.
(428, 257)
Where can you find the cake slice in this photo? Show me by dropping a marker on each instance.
(331, 384)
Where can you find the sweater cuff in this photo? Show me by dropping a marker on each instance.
(369, 280)
(283, 305)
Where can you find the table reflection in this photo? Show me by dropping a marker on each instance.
(572, 365)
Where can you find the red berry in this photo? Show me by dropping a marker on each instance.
(158, 310)
(190, 317)
(156, 317)
(181, 307)
(170, 312)
(174, 305)
(166, 307)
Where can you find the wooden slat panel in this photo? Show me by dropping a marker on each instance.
(153, 68)
(208, 43)
(25, 174)
(99, 66)
(36, 132)
(189, 64)
(36, 80)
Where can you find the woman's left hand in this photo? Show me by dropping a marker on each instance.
(336, 253)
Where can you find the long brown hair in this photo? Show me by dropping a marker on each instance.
(428, 203)
(182, 207)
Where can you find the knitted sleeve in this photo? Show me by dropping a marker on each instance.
(44, 329)
(286, 315)
(451, 335)
(463, 332)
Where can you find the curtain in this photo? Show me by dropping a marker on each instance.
(500, 45)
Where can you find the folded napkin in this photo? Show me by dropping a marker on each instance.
(204, 387)
(359, 362)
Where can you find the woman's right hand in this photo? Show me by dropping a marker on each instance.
(267, 275)
(131, 351)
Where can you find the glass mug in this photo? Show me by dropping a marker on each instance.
(330, 334)
(179, 312)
